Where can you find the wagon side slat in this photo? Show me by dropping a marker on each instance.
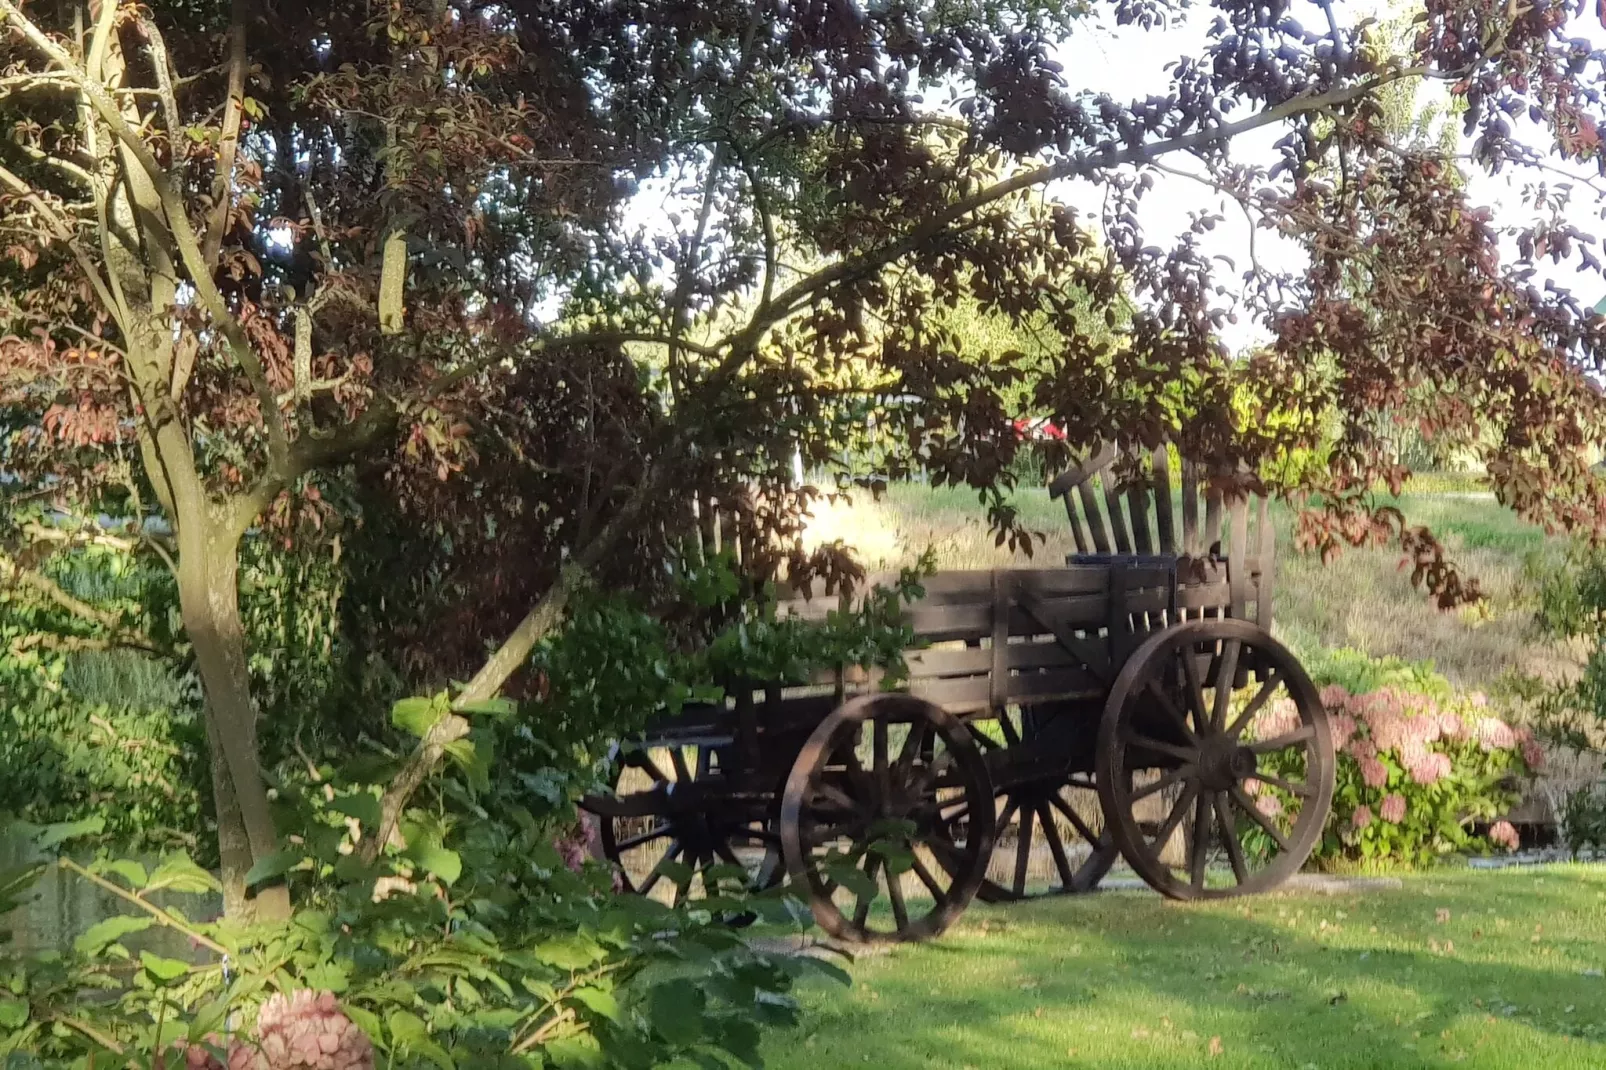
(1162, 501)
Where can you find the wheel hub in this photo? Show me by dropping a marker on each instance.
(1223, 762)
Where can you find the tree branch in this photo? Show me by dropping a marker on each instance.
(178, 221)
(229, 138)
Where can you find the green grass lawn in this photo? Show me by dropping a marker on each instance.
(1460, 968)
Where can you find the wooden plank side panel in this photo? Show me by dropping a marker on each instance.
(975, 693)
(1190, 511)
(1097, 529)
(1112, 499)
(1237, 558)
(1079, 534)
(1163, 518)
(1265, 587)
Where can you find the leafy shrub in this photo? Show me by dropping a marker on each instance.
(1417, 770)
(1583, 819)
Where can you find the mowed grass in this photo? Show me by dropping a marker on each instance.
(1363, 600)
(1459, 968)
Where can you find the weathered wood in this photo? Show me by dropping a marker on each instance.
(1212, 526)
(1267, 561)
(1190, 510)
(1097, 529)
(1163, 518)
(1112, 500)
(1002, 594)
(1137, 501)
(1237, 558)
(1069, 480)
(1079, 534)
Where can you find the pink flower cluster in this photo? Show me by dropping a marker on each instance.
(1393, 808)
(304, 1031)
(1505, 834)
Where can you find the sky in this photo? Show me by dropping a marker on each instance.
(1130, 63)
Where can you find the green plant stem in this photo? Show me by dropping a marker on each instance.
(161, 916)
(79, 1025)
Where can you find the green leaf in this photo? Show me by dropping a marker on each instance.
(273, 866)
(571, 952)
(416, 716)
(13, 1013)
(103, 934)
(365, 1019)
(578, 1052)
(440, 861)
(601, 1002)
(408, 1032)
(360, 805)
(178, 874)
(164, 970)
(493, 707)
(473, 756)
(132, 872)
(676, 1010)
(53, 835)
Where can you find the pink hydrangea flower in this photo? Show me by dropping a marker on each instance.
(1253, 787)
(1451, 726)
(1361, 748)
(1269, 805)
(1334, 696)
(1533, 755)
(1412, 751)
(1374, 772)
(1425, 727)
(1431, 769)
(1393, 808)
(1362, 817)
(1344, 728)
(1278, 719)
(1494, 734)
(1503, 833)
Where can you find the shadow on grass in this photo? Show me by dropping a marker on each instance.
(1124, 980)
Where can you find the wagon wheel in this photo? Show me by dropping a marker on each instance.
(1215, 791)
(683, 829)
(1060, 813)
(866, 819)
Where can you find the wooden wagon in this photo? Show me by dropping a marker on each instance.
(1129, 705)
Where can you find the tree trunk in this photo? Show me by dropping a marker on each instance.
(209, 597)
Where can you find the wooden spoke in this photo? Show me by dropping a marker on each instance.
(1186, 754)
(1304, 791)
(878, 757)
(1011, 737)
(1072, 816)
(650, 767)
(1023, 850)
(1247, 805)
(1225, 676)
(912, 747)
(657, 833)
(1056, 846)
(1179, 810)
(678, 760)
(1010, 809)
(839, 798)
(1229, 838)
(861, 911)
(900, 909)
(1201, 841)
(1195, 686)
(1205, 793)
(937, 891)
(1273, 681)
(1172, 712)
(1184, 773)
(1302, 734)
(657, 873)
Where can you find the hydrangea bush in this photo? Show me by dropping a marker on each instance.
(1417, 773)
